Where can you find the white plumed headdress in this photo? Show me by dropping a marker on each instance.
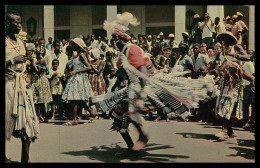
(121, 23)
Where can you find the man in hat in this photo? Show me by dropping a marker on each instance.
(187, 40)
(162, 41)
(196, 31)
(239, 20)
(236, 29)
(207, 27)
(185, 61)
(172, 41)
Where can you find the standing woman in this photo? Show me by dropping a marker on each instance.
(96, 78)
(20, 117)
(78, 90)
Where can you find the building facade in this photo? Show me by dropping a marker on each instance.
(69, 21)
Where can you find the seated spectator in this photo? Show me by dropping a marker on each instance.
(199, 60)
(203, 48)
(210, 53)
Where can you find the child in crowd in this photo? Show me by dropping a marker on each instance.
(41, 90)
(56, 88)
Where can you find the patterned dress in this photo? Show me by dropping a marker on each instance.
(97, 81)
(230, 100)
(41, 89)
(78, 86)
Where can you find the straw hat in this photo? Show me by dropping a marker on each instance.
(171, 35)
(185, 34)
(228, 17)
(234, 16)
(161, 34)
(175, 47)
(184, 45)
(239, 14)
(79, 42)
(227, 36)
(149, 36)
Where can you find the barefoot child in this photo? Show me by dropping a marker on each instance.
(56, 88)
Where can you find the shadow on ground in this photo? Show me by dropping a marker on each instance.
(200, 136)
(115, 154)
(246, 142)
(243, 152)
(61, 123)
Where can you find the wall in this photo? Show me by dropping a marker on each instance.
(137, 11)
(80, 20)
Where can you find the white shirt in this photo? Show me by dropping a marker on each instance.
(94, 44)
(249, 68)
(64, 48)
(202, 60)
(63, 60)
(207, 30)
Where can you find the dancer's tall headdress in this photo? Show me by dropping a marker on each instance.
(120, 25)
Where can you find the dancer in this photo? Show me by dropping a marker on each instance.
(130, 54)
(229, 102)
(20, 117)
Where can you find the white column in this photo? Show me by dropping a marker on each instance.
(48, 23)
(251, 32)
(180, 13)
(111, 16)
(216, 11)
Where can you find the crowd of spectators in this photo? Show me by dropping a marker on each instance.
(198, 53)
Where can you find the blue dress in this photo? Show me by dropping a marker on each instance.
(78, 86)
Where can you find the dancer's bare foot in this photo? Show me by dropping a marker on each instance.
(140, 144)
(156, 120)
(70, 123)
